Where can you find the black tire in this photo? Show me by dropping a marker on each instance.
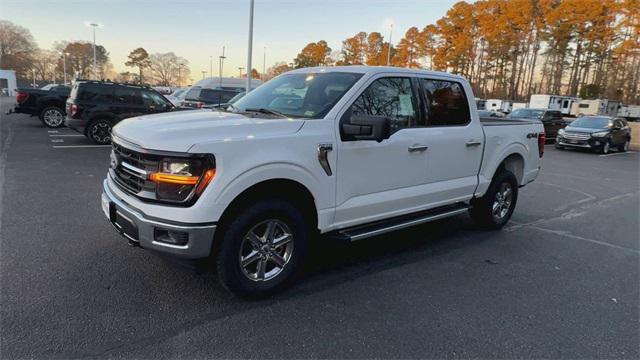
(99, 131)
(482, 209)
(625, 146)
(52, 116)
(605, 148)
(559, 147)
(235, 244)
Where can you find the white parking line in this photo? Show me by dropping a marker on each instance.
(57, 140)
(79, 146)
(618, 153)
(60, 135)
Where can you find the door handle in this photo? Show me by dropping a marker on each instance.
(473, 143)
(418, 148)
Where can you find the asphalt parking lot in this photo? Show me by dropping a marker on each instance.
(561, 281)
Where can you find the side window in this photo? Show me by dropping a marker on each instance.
(446, 103)
(127, 95)
(95, 94)
(391, 97)
(151, 98)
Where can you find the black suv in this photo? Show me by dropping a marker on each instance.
(599, 133)
(94, 107)
(199, 98)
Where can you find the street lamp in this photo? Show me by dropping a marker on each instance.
(222, 57)
(211, 66)
(94, 26)
(34, 77)
(180, 77)
(240, 68)
(250, 47)
(264, 63)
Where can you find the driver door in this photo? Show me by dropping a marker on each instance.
(378, 180)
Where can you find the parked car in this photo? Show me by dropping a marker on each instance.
(177, 97)
(490, 114)
(347, 152)
(199, 98)
(48, 105)
(230, 102)
(94, 107)
(600, 133)
(551, 119)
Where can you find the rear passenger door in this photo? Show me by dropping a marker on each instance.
(455, 141)
(127, 102)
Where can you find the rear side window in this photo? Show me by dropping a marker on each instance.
(446, 102)
(127, 95)
(95, 93)
(391, 97)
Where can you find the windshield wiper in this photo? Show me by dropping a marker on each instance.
(266, 111)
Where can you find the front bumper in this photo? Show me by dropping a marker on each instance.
(591, 143)
(141, 230)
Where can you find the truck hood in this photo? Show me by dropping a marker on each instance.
(179, 131)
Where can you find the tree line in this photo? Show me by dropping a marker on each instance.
(511, 49)
(19, 52)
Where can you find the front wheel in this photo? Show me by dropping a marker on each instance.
(624, 147)
(99, 131)
(52, 117)
(262, 248)
(605, 148)
(494, 209)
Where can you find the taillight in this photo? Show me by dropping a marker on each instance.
(21, 97)
(199, 105)
(73, 110)
(542, 138)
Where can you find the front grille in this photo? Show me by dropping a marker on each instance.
(576, 135)
(131, 171)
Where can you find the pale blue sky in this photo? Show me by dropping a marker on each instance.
(197, 29)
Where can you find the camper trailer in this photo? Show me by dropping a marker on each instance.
(504, 106)
(595, 107)
(630, 112)
(553, 102)
(519, 105)
(480, 103)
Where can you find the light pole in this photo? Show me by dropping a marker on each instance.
(389, 48)
(203, 72)
(94, 26)
(222, 57)
(240, 68)
(250, 46)
(34, 77)
(264, 63)
(64, 65)
(211, 66)
(180, 77)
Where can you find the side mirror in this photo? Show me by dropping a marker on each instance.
(366, 127)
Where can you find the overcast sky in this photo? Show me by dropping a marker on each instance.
(197, 29)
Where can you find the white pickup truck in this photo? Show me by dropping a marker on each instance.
(343, 152)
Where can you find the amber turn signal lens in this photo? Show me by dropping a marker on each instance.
(173, 179)
(206, 179)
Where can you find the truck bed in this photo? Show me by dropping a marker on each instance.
(491, 121)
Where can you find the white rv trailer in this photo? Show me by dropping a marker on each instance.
(480, 103)
(504, 106)
(519, 105)
(595, 107)
(553, 102)
(630, 112)
(236, 84)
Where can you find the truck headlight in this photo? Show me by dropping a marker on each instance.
(181, 179)
(561, 132)
(600, 134)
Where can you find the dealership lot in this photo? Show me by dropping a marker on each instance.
(561, 281)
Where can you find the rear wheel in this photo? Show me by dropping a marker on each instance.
(99, 131)
(52, 116)
(494, 209)
(262, 248)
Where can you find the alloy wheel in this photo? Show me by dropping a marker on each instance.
(53, 118)
(101, 132)
(266, 250)
(502, 201)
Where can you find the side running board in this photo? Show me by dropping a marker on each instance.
(381, 227)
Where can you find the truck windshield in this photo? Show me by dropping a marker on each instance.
(304, 95)
(591, 123)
